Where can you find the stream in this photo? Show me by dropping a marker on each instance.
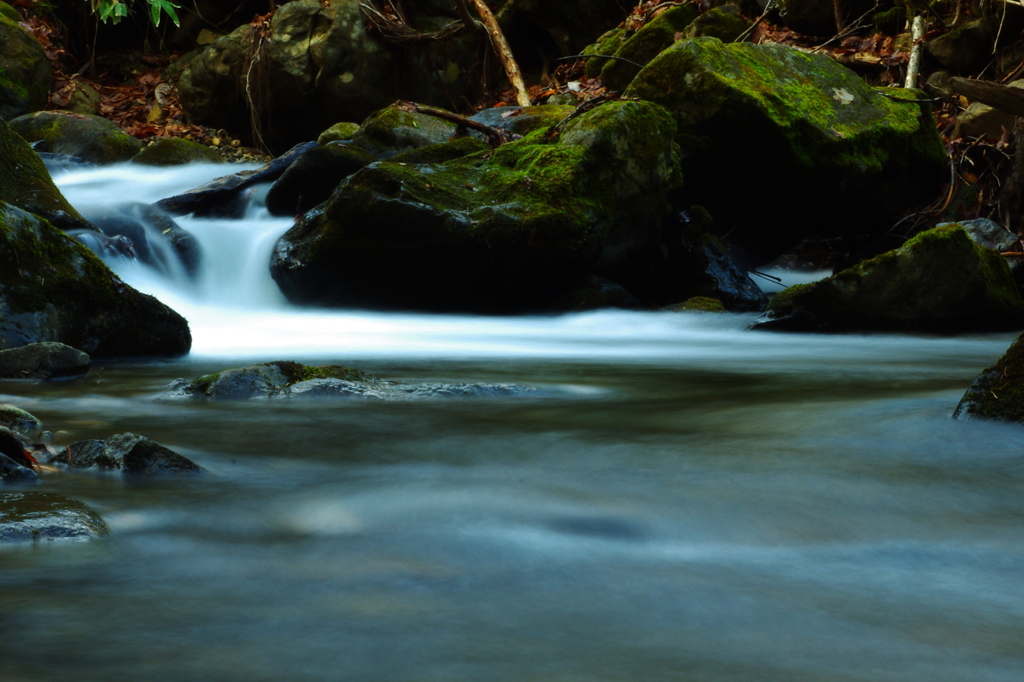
(680, 499)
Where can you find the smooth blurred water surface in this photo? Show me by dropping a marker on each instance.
(681, 500)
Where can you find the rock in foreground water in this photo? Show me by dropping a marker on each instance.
(36, 516)
(128, 453)
(46, 360)
(998, 392)
(284, 379)
(939, 281)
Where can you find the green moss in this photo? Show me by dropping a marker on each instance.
(9, 13)
(45, 272)
(297, 372)
(998, 392)
(608, 44)
(90, 137)
(646, 44)
(204, 383)
(338, 132)
(703, 304)
(444, 151)
(171, 151)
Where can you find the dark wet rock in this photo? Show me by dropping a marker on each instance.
(966, 47)
(223, 197)
(510, 230)
(176, 151)
(52, 288)
(815, 17)
(128, 453)
(569, 24)
(595, 292)
(143, 232)
(998, 392)
(37, 516)
(522, 120)
(292, 380)
(938, 281)
(42, 361)
(981, 120)
(13, 472)
(107, 248)
(19, 420)
(25, 183)
(844, 157)
(314, 175)
(86, 136)
(26, 76)
(63, 163)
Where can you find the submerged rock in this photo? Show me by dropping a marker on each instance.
(222, 197)
(998, 392)
(508, 230)
(938, 281)
(17, 419)
(768, 128)
(141, 232)
(52, 288)
(14, 472)
(37, 516)
(43, 361)
(128, 453)
(89, 137)
(283, 379)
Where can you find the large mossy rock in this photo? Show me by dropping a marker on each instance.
(25, 183)
(322, 65)
(645, 45)
(176, 151)
(779, 144)
(25, 73)
(52, 288)
(939, 281)
(511, 229)
(37, 516)
(42, 361)
(998, 392)
(90, 138)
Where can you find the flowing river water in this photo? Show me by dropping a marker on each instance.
(681, 499)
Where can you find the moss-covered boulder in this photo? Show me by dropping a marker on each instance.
(266, 380)
(25, 73)
(502, 230)
(291, 380)
(645, 45)
(607, 44)
(998, 392)
(311, 178)
(339, 132)
(25, 183)
(779, 144)
(44, 517)
(393, 130)
(725, 22)
(176, 151)
(52, 288)
(47, 360)
(91, 138)
(939, 281)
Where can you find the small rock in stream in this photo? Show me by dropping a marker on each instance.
(36, 516)
(128, 453)
(44, 360)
